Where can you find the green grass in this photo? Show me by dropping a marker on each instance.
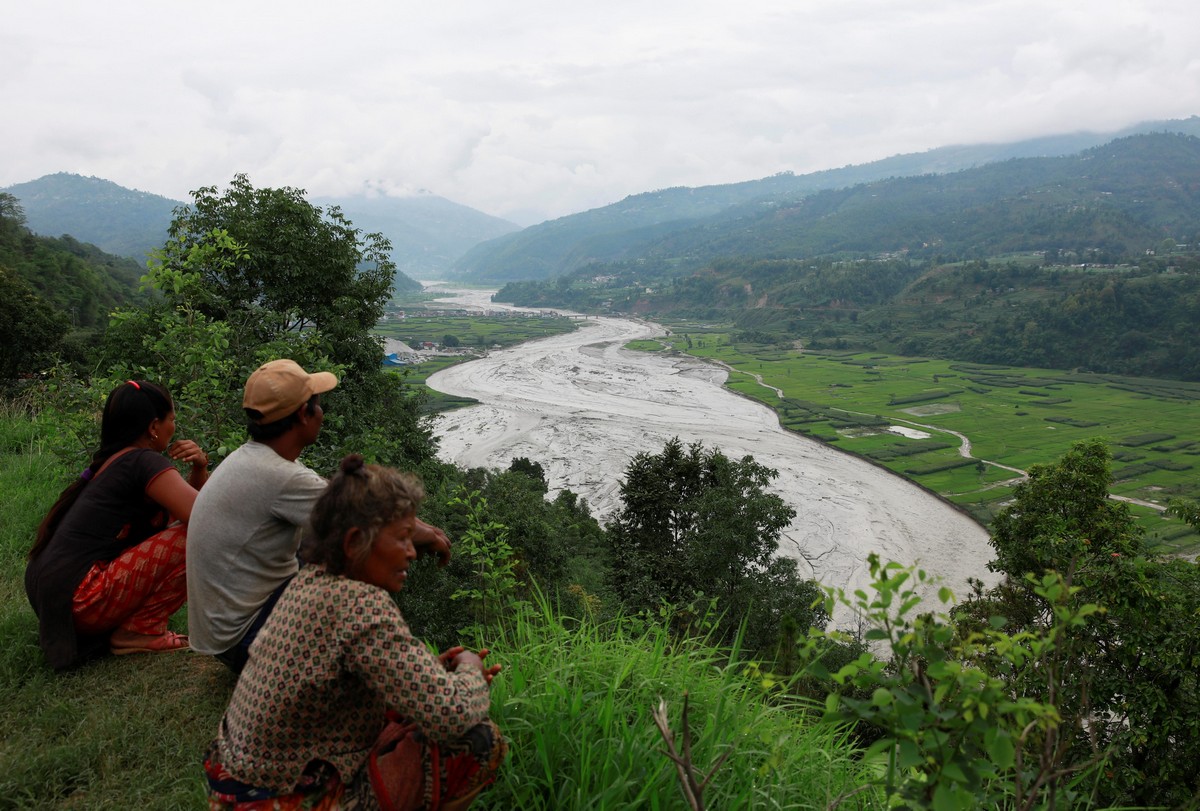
(1013, 417)
(646, 346)
(476, 332)
(575, 700)
(124, 733)
(435, 401)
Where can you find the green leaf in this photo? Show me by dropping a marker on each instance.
(954, 772)
(909, 755)
(1002, 752)
(944, 799)
(881, 697)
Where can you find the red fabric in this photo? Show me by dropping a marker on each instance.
(407, 771)
(395, 769)
(137, 591)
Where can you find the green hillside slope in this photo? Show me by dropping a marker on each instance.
(118, 220)
(643, 223)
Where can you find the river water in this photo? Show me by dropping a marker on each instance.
(582, 406)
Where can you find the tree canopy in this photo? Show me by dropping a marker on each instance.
(50, 287)
(30, 329)
(1128, 683)
(697, 524)
(299, 267)
(253, 274)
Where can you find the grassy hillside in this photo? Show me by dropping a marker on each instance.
(575, 700)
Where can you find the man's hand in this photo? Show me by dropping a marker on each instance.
(429, 540)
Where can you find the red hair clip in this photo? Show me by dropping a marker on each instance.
(134, 383)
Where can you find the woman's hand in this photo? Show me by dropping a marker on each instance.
(489, 672)
(446, 657)
(454, 658)
(185, 450)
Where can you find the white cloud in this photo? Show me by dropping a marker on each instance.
(534, 109)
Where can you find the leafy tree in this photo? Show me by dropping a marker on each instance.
(450, 341)
(534, 470)
(696, 523)
(1062, 514)
(30, 329)
(300, 268)
(491, 588)
(1131, 690)
(1187, 509)
(256, 274)
(12, 215)
(784, 607)
(517, 537)
(953, 731)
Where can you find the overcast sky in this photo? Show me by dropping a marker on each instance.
(529, 110)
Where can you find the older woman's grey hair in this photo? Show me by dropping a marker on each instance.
(363, 497)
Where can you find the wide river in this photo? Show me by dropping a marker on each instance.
(582, 406)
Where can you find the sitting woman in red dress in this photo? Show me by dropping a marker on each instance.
(339, 706)
(107, 569)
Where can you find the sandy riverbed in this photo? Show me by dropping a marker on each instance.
(582, 406)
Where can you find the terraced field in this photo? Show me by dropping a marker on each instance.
(965, 430)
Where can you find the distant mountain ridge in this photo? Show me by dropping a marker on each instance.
(120, 221)
(1120, 198)
(627, 228)
(428, 233)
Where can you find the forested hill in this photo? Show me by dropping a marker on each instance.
(1121, 198)
(1088, 261)
(428, 233)
(117, 220)
(51, 287)
(77, 278)
(677, 220)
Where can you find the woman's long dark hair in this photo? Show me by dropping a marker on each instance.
(128, 412)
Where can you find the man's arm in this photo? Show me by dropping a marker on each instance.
(430, 540)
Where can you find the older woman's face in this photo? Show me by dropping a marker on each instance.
(387, 564)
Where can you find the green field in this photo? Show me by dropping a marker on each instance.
(1012, 417)
(479, 332)
(475, 334)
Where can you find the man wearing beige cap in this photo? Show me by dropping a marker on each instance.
(244, 533)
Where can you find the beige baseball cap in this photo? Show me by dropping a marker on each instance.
(279, 387)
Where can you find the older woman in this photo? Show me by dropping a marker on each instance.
(339, 705)
(107, 568)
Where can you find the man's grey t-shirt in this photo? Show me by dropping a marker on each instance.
(242, 541)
